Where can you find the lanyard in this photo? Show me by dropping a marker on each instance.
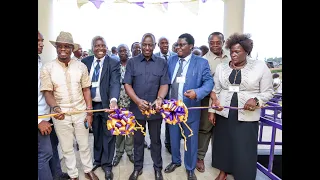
(183, 66)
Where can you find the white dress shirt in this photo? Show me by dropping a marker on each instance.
(43, 107)
(185, 67)
(94, 63)
(168, 55)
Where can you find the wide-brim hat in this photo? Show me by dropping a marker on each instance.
(65, 37)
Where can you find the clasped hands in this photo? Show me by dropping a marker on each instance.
(60, 115)
(250, 105)
(143, 105)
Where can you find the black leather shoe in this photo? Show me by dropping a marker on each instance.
(191, 175)
(131, 158)
(116, 160)
(171, 167)
(95, 167)
(134, 175)
(108, 175)
(158, 175)
(63, 176)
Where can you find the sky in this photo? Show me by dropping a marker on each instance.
(126, 23)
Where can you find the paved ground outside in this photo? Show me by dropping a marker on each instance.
(125, 167)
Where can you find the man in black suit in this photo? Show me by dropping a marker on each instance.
(146, 80)
(105, 89)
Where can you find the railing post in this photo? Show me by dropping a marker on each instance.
(272, 145)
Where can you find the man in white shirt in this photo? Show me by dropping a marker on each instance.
(277, 83)
(44, 143)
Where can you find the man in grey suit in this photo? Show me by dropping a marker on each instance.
(105, 89)
(165, 53)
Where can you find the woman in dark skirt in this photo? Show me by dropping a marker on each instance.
(243, 83)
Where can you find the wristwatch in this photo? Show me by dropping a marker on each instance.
(257, 101)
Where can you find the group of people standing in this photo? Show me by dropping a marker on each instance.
(216, 79)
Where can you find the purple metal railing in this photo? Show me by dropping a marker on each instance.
(275, 123)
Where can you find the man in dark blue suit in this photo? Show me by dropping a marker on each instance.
(191, 81)
(105, 89)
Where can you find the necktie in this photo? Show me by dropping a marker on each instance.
(165, 57)
(95, 78)
(175, 85)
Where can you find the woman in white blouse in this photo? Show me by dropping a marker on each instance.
(246, 84)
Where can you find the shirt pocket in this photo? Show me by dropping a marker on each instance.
(155, 78)
(138, 78)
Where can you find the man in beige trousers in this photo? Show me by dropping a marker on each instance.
(65, 84)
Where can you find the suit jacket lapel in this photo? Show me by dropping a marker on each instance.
(90, 61)
(173, 66)
(191, 67)
(105, 67)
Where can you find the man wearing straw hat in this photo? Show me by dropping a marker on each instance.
(46, 129)
(66, 87)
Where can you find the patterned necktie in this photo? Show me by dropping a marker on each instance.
(165, 57)
(175, 85)
(95, 78)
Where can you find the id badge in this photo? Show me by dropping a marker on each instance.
(95, 84)
(234, 88)
(181, 79)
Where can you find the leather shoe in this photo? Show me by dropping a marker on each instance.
(63, 176)
(171, 167)
(131, 158)
(95, 167)
(108, 175)
(200, 165)
(90, 175)
(134, 175)
(116, 160)
(191, 175)
(158, 175)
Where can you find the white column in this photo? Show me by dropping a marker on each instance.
(46, 28)
(233, 17)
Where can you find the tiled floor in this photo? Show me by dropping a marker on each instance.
(125, 167)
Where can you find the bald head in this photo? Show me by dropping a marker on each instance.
(163, 44)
